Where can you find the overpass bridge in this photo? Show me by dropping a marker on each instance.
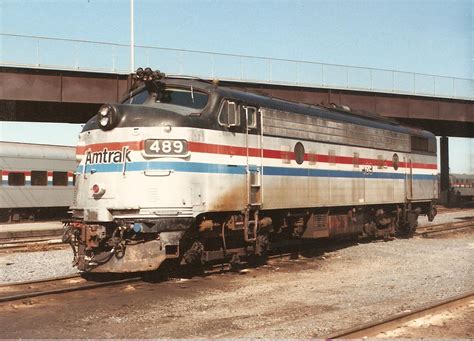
(34, 94)
(66, 80)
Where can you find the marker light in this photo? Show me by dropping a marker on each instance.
(97, 191)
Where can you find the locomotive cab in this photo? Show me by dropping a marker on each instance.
(132, 182)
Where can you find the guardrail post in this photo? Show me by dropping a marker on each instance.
(212, 66)
(347, 77)
(322, 75)
(297, 75)
(76, 52)
(241, 69)
(113, 58)
(371, 80)
(37, 52)
(270, 76)
(393, 81)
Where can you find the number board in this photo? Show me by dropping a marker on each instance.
(166, 147)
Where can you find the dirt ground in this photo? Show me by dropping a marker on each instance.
(306, 298)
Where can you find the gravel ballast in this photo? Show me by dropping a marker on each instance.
(26, 266)
(30, 266)
(301, 299)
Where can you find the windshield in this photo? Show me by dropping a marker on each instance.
(188, 97)
(183, 97)
(138, 98)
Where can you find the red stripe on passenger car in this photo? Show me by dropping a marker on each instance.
(6, 172)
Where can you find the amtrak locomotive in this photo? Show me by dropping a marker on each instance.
(187, 171)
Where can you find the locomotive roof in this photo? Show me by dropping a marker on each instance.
(252, 98)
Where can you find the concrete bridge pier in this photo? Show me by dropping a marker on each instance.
(444, 163)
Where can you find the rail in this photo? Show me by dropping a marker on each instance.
(95, 56)
(373, 328)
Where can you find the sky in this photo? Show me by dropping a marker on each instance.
(433, 37)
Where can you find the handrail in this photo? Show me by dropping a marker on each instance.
(328, 75)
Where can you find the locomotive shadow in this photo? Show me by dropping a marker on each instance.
(317, 249)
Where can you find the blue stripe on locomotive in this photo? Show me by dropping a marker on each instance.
(195, 167)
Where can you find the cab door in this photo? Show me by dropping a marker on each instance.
(254, 153)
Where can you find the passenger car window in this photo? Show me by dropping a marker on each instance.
(39, 178)
(60, 179)
(16, 179)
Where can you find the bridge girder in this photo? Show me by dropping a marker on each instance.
(74, 96)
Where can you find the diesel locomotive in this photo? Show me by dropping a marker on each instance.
(187, 171)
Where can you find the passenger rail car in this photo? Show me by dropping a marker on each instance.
(188, 171)
(37, 180)
(462, 187)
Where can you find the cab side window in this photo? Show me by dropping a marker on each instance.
(251, 114)
(229, 116)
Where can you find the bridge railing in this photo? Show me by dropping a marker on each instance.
(83, 55)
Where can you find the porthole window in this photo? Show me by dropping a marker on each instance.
(395, 161)
(299, 153)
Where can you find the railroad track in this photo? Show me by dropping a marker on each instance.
(31, 244)
(65, 284)
(373, 328)
(57, 285)
(315, 250)
(427, 230)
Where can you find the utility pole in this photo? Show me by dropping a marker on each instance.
(132, 38)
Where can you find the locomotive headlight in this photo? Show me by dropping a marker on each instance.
(107, 117)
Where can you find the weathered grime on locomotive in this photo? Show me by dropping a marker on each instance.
(185, 169)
